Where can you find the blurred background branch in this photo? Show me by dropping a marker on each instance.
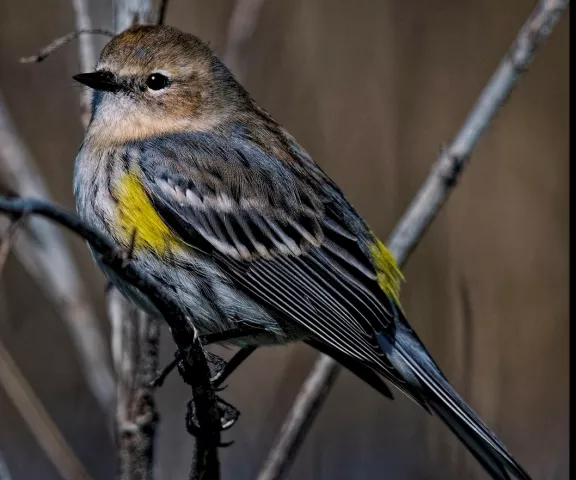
(240, 28)
(4, 471)
(43, 251)
(86, 54)
(55, 45)
(38, 420)
(26, 402)
(418, 217)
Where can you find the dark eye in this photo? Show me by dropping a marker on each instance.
(157, 81)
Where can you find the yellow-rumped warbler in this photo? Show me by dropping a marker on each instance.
(235, 221)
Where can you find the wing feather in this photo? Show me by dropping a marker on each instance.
(280, 238)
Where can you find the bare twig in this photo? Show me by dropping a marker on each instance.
(242, 24)
(162, 9)
(194, 370)
(60, 42)
(38, 420)
(86, 54)
(420, 214)
(41, 248)
(316, 388)
(7, 241)
(4, 471)
(437, 187)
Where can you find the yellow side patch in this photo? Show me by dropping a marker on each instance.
(388, 274)
(136, 214)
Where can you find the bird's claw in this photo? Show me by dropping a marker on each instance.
(228, 413)
(218, 364)
(228, 417)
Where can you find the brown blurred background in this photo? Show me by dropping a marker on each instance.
(372, 90)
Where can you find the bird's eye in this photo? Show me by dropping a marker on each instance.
(157, 81)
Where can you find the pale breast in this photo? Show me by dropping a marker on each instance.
(93, 174)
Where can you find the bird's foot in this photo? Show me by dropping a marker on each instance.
(228, 415)
(219, 369)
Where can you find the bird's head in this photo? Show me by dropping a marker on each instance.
(153, 80)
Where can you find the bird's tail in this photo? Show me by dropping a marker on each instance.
(459, 417)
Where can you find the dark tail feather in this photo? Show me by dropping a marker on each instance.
(357, 368)
(460, 418)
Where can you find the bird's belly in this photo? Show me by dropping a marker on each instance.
(212, 303)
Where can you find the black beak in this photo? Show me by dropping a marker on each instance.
(101, 80)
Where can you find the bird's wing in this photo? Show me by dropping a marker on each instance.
(282, 236)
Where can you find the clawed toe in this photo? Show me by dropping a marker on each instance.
(228, 417)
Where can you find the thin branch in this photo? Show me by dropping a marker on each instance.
(86, 54)
(60, 42)
(162, 9)
(194, 370)
(38, 420)
(7, 241)
(420, 214)
(447, 168)
(4, 471)
(299, 420)
(241, 27)
(43, 251)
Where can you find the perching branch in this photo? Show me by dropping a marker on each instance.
(205, 421)
(419, 215)
(43, 251)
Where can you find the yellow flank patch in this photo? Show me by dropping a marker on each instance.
(137, 218)
(388, 274)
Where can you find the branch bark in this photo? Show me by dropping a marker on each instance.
(136, 360)
(419, 215)
(42, 250)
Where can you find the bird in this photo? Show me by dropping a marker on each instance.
(235, 222)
